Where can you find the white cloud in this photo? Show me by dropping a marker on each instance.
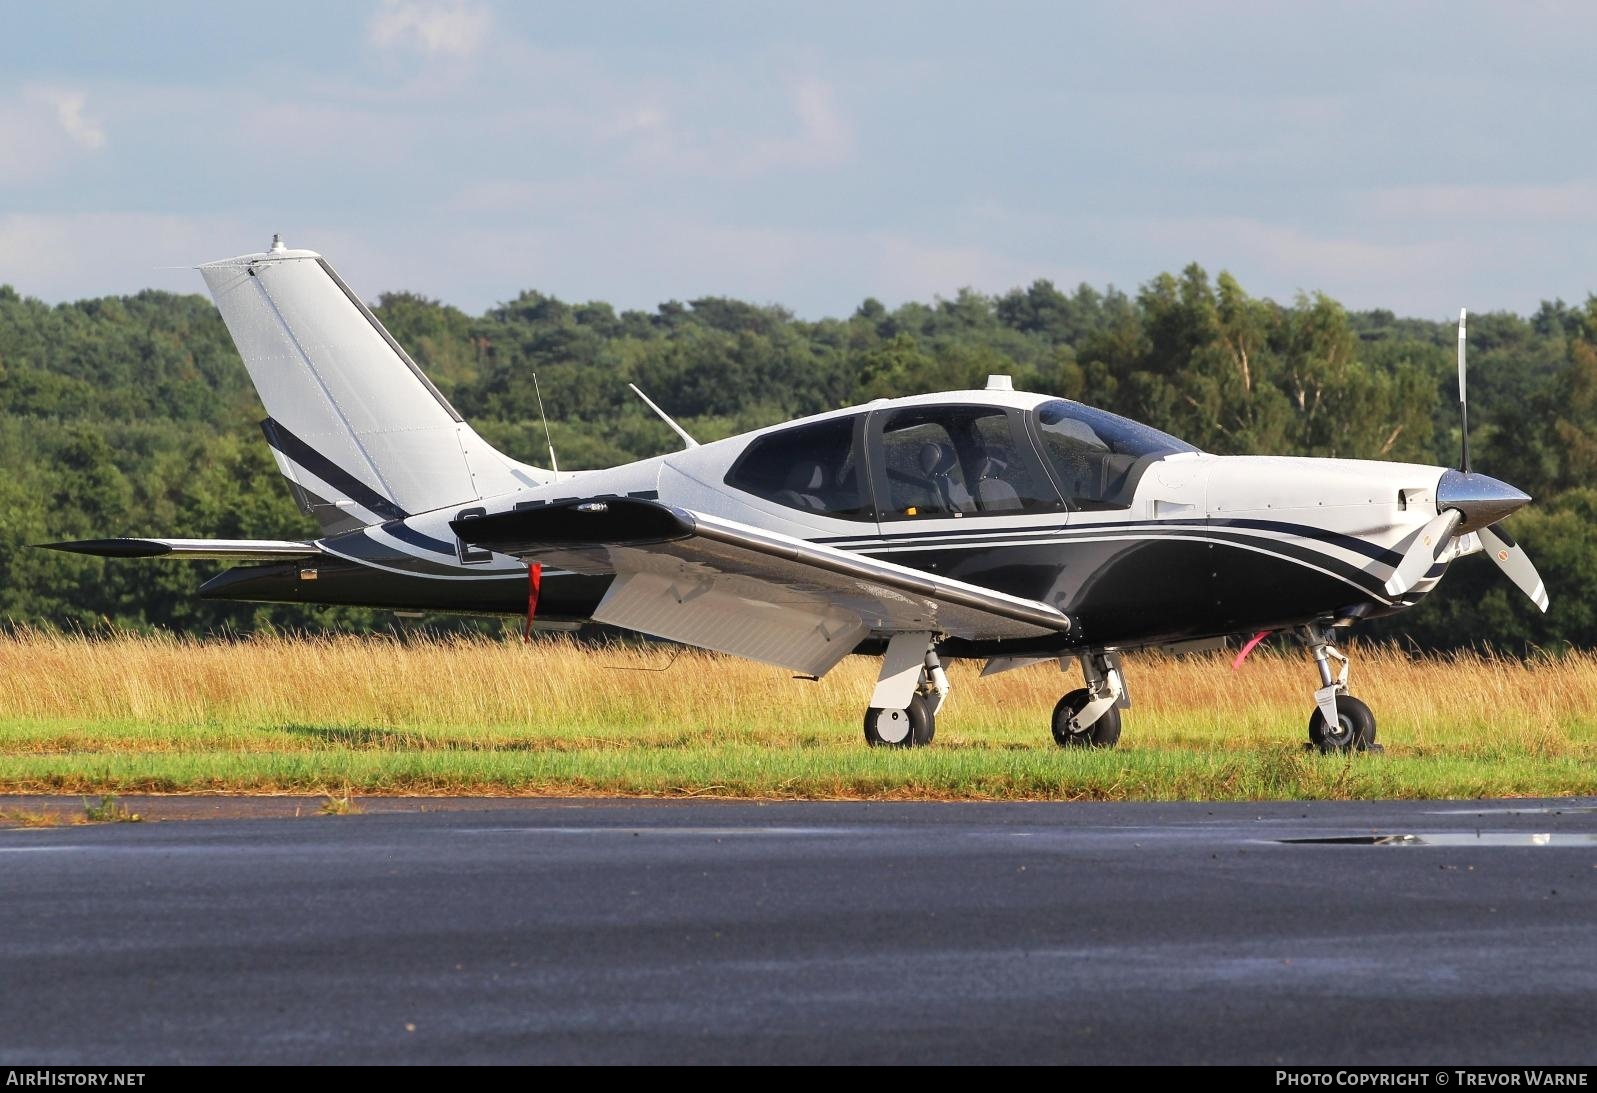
(1468, 205)
(1372, 268)
(824, 138)
(639, 260)
(42, 129)
(498, 196)
(68, 107)
(1284, 249)
(447, 28)
(68, 256)
(645, 118)
(819, 136)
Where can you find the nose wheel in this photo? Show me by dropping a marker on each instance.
(1354, 729)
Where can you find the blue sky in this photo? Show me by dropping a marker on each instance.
(1417, 156)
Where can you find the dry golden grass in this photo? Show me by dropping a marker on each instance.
(381, 714)
(478, 687)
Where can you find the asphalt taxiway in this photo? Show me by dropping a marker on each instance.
(627, 931)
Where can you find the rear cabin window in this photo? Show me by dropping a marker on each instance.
(813, 468)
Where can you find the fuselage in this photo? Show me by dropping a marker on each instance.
(1141, 539)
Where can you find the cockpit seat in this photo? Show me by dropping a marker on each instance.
(803, 485)
(993, 494)
(937, 463)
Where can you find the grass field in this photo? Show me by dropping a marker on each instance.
(375, 715)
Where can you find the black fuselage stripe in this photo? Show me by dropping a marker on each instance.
(407, 534)
(1289, 551)
(364, 549)
(1064, 532)
(1304, 531)
(295, 449)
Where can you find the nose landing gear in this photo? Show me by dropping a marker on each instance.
(1340, 722)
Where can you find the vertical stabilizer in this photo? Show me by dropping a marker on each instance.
(356, 427)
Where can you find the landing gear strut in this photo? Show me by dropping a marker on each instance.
(909, 692)
(1090, 717)
(1340, 722)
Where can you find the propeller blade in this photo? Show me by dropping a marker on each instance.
(1511, 559)
(1423, 552)
(1463, 400)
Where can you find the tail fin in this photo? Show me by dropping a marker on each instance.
(356, 427)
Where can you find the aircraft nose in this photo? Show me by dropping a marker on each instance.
(1483, 500)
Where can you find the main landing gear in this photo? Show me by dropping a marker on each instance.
(1090, 716)
(1340, 722)
(912, 688)
(909, 692)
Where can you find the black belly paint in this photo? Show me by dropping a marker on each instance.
(565, 597)
(1120, 593)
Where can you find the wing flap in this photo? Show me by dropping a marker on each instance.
(807, 634)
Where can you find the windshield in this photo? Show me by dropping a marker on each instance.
(1098, 457)
(1101, 429)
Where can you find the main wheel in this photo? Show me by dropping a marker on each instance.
(1102, 733)
(911, 727)
(1354, 729)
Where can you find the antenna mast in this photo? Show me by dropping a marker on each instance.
(665, 417)
(553, 465)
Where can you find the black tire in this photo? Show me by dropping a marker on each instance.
(911, 727)
(1354, 730)
(1102, 733)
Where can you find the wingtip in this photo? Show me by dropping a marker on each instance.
(110, 548)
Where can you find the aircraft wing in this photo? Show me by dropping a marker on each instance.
(230, 550)
(723, 585)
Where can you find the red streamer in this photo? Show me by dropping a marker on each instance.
(1248, 648)
(534, 583)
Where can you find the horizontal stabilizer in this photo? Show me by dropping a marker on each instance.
(231, 550)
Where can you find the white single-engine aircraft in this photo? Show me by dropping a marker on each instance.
(1014, 527)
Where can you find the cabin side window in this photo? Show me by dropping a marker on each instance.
(813, 468)
(959, 461)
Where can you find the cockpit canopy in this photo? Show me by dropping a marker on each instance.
(1098, 457)
(954, 459)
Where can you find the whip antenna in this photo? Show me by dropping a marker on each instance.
(553, 465)
(1463, 400)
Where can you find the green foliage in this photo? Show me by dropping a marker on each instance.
(133, 415)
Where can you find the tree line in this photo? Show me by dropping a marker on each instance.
(133, 415)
